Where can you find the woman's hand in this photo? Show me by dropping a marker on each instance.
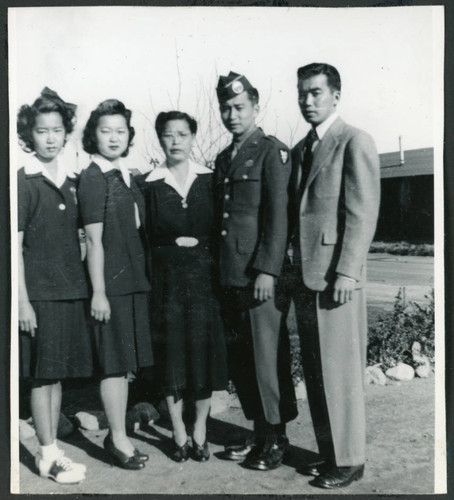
(264, 287)
(27, 317)
(100, 307)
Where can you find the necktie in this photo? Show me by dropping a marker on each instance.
(307, 158)
(234, 151)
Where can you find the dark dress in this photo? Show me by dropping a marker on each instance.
(123, 344)
(188, 335)
(55, 279)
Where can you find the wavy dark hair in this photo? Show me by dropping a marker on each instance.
(108, 107)
(48, 102)
(314, 69)
(165, 117)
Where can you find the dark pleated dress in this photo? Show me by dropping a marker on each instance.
(189, 345)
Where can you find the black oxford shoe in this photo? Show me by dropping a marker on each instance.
(271, 455)
(250, 448)
(315, 468)
(338, 477)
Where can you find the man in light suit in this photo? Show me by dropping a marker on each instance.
(333, 210)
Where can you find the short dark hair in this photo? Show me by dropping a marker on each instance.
(165, 117)
(26, 118)
(314, 69)
(253, 95)
(106, 108)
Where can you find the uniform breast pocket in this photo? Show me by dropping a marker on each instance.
(247, 191)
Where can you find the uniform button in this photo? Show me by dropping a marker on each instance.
(225, 215)
(62, 206)
(226, 180)
(227, 197)
(223, 232)
(245, 176)
(184, 205)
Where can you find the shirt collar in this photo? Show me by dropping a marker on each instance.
(33, 166)
(237, 144)
(106, 166)
(163, 172)
(324, 126)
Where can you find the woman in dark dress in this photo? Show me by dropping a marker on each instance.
(187, 330)
(54, 340)
(112, 208)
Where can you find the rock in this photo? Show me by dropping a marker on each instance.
(423, 371)
(143, 413)
(300, 391)
(401, 372)
(220, 401)
(93, 421)
(234, 401)
(26, 429)
(65, 426)
(374, 375)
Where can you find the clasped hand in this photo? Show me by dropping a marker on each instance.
(27, 318)
(343, 289)
(100, 307)
(264, 287)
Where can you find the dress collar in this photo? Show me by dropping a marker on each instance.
(107, 166)
(163, 172)
(33, 166)
(323, 127)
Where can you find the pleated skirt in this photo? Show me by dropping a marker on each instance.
(61, 347)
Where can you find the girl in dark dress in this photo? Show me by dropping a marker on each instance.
(186, 326)
(54, 340)
(112, 208)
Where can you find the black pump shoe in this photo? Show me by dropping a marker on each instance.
(180, 453)
(119, 458)
(201, 453)
(141, 457)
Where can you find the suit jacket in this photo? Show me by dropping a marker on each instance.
(251, 209)
(338, 211)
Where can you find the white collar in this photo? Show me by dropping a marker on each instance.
(324, 126)
(33, 166)
(106, 166)
(163, 172)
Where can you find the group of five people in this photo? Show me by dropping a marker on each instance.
(183, 258)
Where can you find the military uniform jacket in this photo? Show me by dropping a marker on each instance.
(251, 209)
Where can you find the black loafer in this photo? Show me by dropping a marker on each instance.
(315, 468)
(338, 477)
(180, 453)
(271, 456)
(201, 453)
(250, 448)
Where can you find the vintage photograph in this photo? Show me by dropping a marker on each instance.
(228, 272)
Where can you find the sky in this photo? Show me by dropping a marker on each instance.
(162, 58)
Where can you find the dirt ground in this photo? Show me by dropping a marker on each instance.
(400, 454)
(400, 431)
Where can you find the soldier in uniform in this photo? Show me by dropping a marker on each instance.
(251, 181)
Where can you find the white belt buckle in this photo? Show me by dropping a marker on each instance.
(186, 241)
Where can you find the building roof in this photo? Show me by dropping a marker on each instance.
(417, 162)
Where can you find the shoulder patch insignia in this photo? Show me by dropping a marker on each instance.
(284, 155)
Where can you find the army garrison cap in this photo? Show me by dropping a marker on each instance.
(232, 85)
